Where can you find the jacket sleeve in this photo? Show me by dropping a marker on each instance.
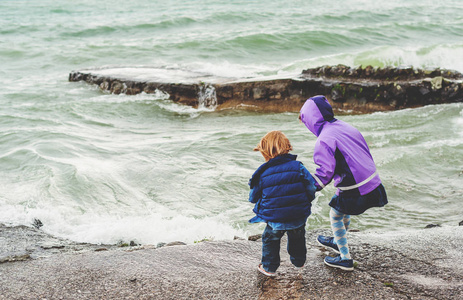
(309, 183)
(325, 160)
(255, 194)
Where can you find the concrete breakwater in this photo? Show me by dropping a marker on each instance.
(354, 90)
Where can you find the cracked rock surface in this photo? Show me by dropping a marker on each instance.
(412, 264)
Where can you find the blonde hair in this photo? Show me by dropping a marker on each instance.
(273, 144)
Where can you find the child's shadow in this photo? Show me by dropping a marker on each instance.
(284, 286)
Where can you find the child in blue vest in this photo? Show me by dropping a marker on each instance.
(282, 190)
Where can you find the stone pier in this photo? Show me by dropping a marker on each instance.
(350, 90)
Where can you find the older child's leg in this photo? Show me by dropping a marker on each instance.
(296, 246)
(271, 249)
(339, 231)
(346, 221)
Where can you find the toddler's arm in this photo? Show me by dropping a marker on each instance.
(309, 183)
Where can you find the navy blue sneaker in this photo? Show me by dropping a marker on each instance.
(328, 242)
(337, 262)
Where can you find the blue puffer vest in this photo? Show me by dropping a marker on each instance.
(282, 192)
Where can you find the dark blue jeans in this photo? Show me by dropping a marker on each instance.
(271, 247)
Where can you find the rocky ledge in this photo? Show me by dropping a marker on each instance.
(411, 264)
(355, 90)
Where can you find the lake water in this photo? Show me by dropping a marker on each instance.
(102, 168)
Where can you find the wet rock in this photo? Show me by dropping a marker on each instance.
(117, 87)
(11, 257)
(337, 93)
(148, 247)
(254, 237)
(436, 83)
(37, 223)
(340, 70)
(387, 73)
(369, 71)
(105, 85)
(177, 243)
(393, 266)
(19, 240)
(451, 91)
(51, 245)
(127, 244)
(258, 93)
(159, 245)
(432, 225)
(101, 249)
(358, 89)
(424, 91)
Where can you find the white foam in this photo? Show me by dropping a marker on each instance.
(156, 74)
(459, 124)
(438, 56)
(107, 228)
(226, 69)
(185, 109)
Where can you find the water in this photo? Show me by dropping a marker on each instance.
(101, 168)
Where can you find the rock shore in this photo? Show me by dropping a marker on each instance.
(352, 90)
(412, 264)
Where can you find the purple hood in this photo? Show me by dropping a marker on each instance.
(341, 153)
(315, 113)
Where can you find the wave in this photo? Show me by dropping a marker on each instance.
(99, 30)
(103, 168)
(90, 32)
(173, 23)
(147, 229)
(288, 41)
(13, 29)
(427, 57)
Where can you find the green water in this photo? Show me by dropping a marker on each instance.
(97, 167)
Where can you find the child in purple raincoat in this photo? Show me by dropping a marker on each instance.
(341, 154)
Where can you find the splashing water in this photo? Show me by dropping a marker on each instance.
(207, 97)
(98, 167)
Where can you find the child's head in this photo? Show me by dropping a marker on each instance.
(273, 144)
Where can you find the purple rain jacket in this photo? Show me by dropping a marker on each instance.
(341, 153)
